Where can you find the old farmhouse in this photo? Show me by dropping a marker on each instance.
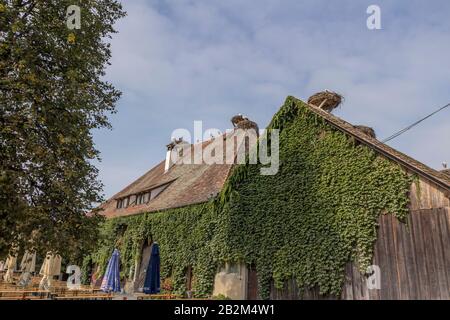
(346, 217)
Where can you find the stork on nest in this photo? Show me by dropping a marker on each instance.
(247, 124)
(367, 131)
(236, 119)
(326, 100)
(241, 122)
(174, 142)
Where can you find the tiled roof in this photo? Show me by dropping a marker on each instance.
(413, 165)
(197, 183)
(188, 184)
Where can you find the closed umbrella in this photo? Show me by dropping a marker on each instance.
(152, 277)
(11, 266)
(46, 272)
(28, 263)
(5, 265)
(111, 279)
(27, 266)
(24, 258)
(32, 265)
(55, 269)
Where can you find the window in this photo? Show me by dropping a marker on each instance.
(155, 192)
(229, 267)
(233, 268)
(141, 198)
(132, 200)
(122, 203)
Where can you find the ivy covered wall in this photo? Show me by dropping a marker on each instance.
(306, 222)
(183, 236)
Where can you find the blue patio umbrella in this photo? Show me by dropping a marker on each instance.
(152, 277)
(111, 279)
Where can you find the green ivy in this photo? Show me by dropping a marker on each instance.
(317, 213)
(182, 234)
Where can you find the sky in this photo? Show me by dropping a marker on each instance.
(180, 61)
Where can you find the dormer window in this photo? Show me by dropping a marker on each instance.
(122, 203)
(140, 198)
(143, 198)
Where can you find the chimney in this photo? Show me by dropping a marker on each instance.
(172, 147)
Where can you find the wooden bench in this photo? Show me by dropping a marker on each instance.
(66, 291)
(24, 294)
(85, 297)
(168, 296)
(23, 298)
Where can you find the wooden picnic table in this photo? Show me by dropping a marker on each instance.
(15, 288)
(24, 294)
(67, 291)
(22, 298)
(167, 296)
(85, 297)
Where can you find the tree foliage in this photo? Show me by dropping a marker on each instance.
(52, 95)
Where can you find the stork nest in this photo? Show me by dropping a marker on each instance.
(172, 144)
(236, 119)
(367, 131)
(326, 100)
(247, 124)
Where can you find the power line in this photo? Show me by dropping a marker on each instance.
(395, 135)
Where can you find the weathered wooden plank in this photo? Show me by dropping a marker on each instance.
(390, 268)
(421, 258)
(290, 292)
(294, 294)
(383, 261)
(347, 292)
(410, 260)
(374, 294)
(426, 217)
(440, 240)
(398, 232)
(428, 196)
(356, 283)
(362, 280)
(414, 202)
(444, 224)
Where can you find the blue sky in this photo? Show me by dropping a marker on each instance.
(179, 61)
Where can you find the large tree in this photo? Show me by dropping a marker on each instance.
(52, 95)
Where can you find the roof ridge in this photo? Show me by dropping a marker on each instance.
(414, 165)
(132, 184)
